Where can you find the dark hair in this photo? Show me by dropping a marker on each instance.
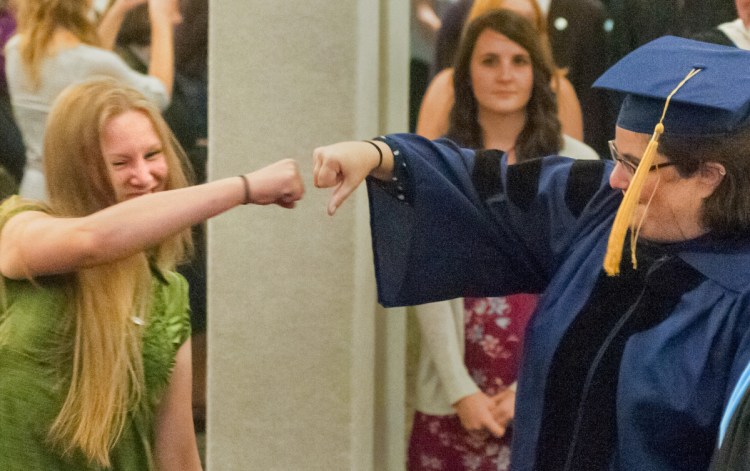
(726, 212)
(542, 133)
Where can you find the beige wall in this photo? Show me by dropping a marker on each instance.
(304, 371)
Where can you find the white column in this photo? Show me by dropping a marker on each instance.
(305, 371)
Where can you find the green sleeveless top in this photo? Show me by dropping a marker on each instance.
(33, 377)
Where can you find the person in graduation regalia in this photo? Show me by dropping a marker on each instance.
(643, 262)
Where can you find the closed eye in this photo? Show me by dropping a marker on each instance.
(152, 154)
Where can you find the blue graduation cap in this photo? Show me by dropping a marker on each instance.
(680, 87)
(714, 101)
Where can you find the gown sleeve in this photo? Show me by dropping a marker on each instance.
(454, 222)
(733, 444)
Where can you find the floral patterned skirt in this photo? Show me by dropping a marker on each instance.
(442, 443)
(493, 344)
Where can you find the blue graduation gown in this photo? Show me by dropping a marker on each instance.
(454, 223)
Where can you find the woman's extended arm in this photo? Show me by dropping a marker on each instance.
(345, 165)
(175, 448)
(163, 14)
(33, 243)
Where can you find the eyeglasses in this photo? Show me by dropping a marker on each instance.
(628, 164)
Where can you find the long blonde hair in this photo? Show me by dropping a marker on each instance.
(107, 378)
(37, 22)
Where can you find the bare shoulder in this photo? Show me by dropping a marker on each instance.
(563, 88)
(437, 102)
(444, 78)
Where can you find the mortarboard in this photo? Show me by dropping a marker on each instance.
(715, 101)
(680, 87)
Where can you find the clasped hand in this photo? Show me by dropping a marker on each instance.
(480, 413)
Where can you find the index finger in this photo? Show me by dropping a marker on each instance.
(340, 194)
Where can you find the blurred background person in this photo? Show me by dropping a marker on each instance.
(425, 23)
(449, 35)
(579, 33)
(12, 152)
(637, 22)
(438, 100)
(465, 388)
(732, 33)
(57, 45)
(187, 113)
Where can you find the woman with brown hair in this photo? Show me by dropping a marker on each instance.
(471, 347)
(438, 99)
(95, 360)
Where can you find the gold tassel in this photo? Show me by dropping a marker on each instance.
(624, 216)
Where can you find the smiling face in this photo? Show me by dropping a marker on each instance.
(502, 74)
(133, 154)
(670, 205)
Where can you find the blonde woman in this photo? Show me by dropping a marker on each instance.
(438, 100)
(58, 45)
(95, 360)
